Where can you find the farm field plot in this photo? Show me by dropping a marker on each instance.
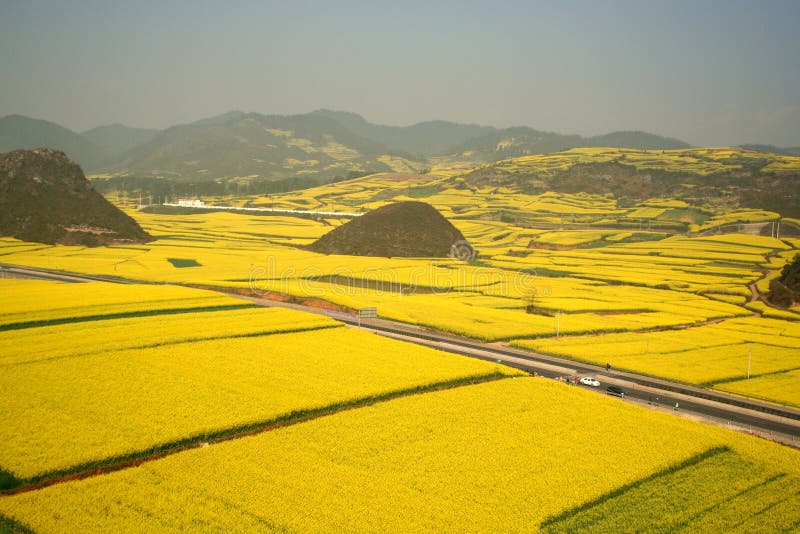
(782, 387)
(106, 335)
(34, 303)
(75, 405)
(716, 493)
(702, 161)
(626, 282)
(431, 462)
(715, 355)
(723, 264)
(492, 314)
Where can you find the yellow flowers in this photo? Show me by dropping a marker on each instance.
(714, 492)
(716, 354)
(573, 282)
(94, 390)
(496, 457)
(91, 374)
(104, 335)
(31, 302)
(699, 160)
(134, 400)
(779, 386)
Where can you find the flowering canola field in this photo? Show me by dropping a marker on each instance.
(510, 455)
(715, 355)
(68, 404)
(33, 303)
(97, 373)
(533, 280)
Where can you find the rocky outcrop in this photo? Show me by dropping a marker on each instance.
(402, 229)
(45, 198)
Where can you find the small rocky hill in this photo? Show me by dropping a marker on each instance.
(45, 198)
(402, 229)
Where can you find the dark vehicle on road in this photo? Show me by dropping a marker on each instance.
(616, 391)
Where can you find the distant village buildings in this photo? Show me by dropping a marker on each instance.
(191, 203)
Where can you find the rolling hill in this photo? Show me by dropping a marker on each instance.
(238, 152)
(726, 178)
(421, 139)
(116, 139)
(772, 149)
(322, 144)
(524, 141)
(253, 146)
(18, 132)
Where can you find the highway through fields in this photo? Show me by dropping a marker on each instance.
(18, 271)
(778, 423)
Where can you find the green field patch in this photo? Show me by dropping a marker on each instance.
(704, 493)
(180, 263)
(9, 526)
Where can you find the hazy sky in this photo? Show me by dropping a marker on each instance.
(711, 73)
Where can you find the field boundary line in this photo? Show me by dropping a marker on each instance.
(119, 315)
(176, 342)
(12, 526)
(588, 505)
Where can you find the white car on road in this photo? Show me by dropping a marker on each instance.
(589, 381)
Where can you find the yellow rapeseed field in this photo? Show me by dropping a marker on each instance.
(717, 355)
(627, 281)
(105, 335)
(73, 405)
(31, 302)
(92, 390)
(505, 456)
(777, 387)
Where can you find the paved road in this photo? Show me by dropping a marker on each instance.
(777, 423)
(17, 271)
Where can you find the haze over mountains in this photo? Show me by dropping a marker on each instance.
(319, 146)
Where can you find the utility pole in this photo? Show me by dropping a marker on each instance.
(749, 358)
(558, 323)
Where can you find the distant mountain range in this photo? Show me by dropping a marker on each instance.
(118, 138)
(317, 147)
(524, 141)
(19, 132)
(421, 140)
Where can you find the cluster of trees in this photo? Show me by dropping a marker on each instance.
(785, 291)
(159, 188)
